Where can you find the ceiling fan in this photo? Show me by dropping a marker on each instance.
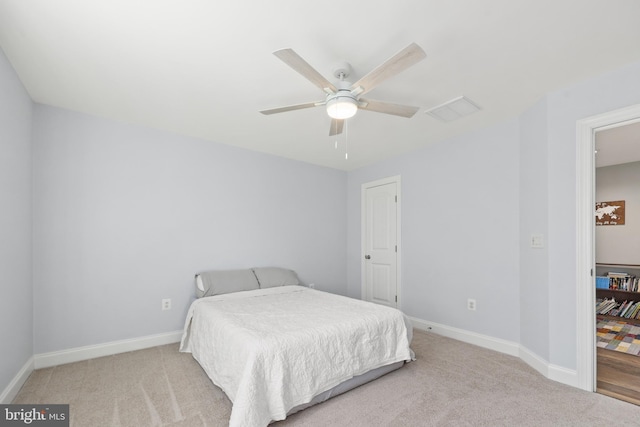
(343, 99)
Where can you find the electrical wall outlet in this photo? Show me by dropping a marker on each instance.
(471, 304)
(166, 304)
(312, 285)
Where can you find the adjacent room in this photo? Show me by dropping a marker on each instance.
(618, 261)
(144, 145)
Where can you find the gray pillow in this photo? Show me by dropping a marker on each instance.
(224, 282)
(270, 277)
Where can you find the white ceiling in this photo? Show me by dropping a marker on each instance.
(205, 68)
(618, 145)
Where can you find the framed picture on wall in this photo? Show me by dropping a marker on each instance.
(610, 213)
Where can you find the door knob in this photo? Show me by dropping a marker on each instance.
(367, 257)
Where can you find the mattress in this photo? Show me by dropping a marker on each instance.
(272, 351)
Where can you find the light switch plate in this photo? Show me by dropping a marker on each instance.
(537, 241)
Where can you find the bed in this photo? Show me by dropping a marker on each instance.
(275, 347)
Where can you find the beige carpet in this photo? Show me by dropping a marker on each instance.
(450, 384)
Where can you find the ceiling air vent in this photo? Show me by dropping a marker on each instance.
(454, 109)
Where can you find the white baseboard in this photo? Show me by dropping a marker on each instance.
(497, 344)
(17, 382)
(548, 370)
(535, 361)
(564, 375)
(45, 360)
(77, 354)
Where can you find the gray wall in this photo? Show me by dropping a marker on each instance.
(527, 295)
(608, 92)
(534, 275)
(124, 216)
(619, 244)
(460, 203)
(16, 301)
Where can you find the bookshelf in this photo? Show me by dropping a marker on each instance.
(623, 282)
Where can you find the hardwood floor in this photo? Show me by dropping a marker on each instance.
(618, 375)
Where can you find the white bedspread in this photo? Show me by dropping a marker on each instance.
(273, 349)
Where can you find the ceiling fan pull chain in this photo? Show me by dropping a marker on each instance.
(346, 141)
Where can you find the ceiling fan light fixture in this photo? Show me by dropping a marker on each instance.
(342, 107)
(342, 99)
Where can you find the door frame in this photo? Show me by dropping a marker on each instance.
(585, 236)
(363, 210)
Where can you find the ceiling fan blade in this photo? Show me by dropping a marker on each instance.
(399, 62)
(389, 108)
(336, 127)
(289, 108)
(295, 61)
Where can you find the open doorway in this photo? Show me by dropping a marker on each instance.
(617, 261)
(586, 130)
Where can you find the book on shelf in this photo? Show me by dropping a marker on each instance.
(633, 312)
(626, 308)
(606, 305)
(602, 282)
(617, 274)
(620, 281)
(630, 313)
(616, 311)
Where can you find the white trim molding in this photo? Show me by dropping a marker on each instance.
(497, 344)
(17, 382)
(533, 360)
(585, 237)
(546, 369)
(54, 358)
(46, 360)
